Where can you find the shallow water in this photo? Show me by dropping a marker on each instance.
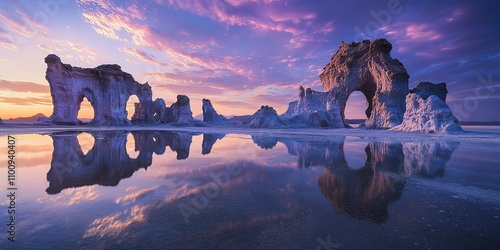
(165, 189)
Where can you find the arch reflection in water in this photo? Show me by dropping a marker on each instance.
(108, 162)
(361, 192)
(365, 192)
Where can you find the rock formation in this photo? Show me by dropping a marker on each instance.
(1, 122)
(315, 109)
(211, 116)
(368, 67)
(106, 87)
(162, 113)
(266, 117)
(427, 111)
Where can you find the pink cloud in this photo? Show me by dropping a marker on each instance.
(412, 35)
(197, 66)
(263, 17)
(141, 55)
(22, 87)
(26, 101)
(69, 50)
(422, 32)
(18, 30)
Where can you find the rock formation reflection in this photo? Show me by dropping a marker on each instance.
(209, 141)
(108, 162)
(365, 193)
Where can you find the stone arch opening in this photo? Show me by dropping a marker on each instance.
(355, 109)
(130, 106)
(365, 90)
(85, 107)
(368, 67)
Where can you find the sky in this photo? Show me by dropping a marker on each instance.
(248, 53)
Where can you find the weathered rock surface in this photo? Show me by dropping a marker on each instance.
(107, 88)
(266, 117)
(368, 67)
(426, 89)
(181, 111)
(162, 113)
(139, 114)
(314, 109)
(211, 116)
(427, 111)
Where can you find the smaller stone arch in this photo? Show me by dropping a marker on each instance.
(86, 93)
(107, 88)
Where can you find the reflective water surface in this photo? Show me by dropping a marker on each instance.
(165, 189)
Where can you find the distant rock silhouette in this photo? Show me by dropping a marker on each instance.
(33, 118)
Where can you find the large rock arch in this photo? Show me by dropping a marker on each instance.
(107, 88)
(368, 67)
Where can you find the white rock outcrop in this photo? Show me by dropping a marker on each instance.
(313, 109)
(427, 111)
(266, 117)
